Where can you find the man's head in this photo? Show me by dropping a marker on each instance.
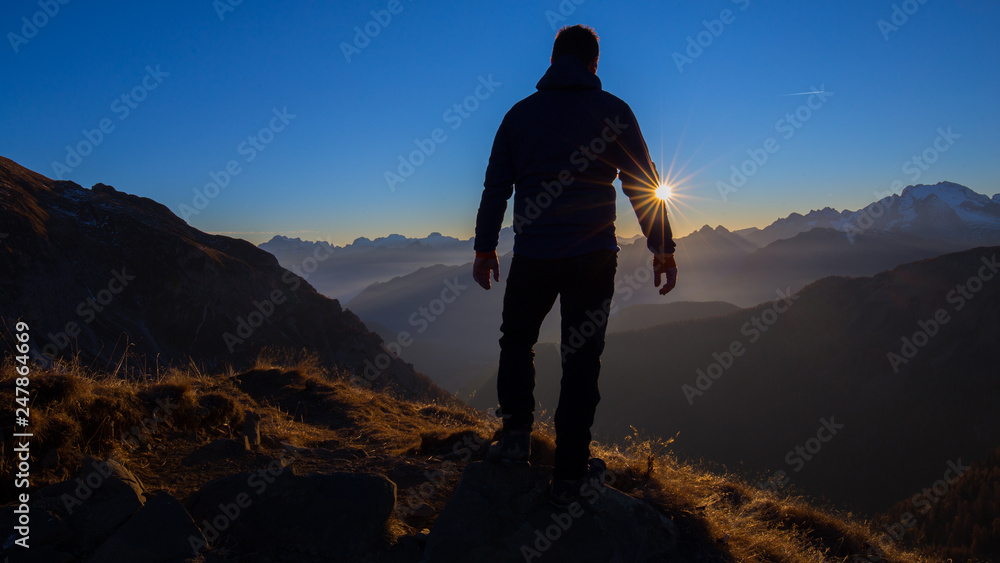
(579, 41)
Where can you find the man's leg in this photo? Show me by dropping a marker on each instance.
(585, 302)
(528, 298)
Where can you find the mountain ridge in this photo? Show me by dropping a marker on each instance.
(98, 272)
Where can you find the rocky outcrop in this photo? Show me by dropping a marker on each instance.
(103, 515)
(502, 514)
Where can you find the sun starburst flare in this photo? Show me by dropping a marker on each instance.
(664, 192)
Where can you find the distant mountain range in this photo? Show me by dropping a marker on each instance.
(716, 265)
(98, 273)
(944, 211)
(341, 272)
(920, 222)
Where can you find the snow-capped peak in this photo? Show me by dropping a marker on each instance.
(943, 210)
(952, 194)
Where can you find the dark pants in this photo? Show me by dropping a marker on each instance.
(585, 285)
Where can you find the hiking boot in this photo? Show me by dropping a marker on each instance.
(513, 447)
(565, 492)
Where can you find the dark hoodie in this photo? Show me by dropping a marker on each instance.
(558, 151)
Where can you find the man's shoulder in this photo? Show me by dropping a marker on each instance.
(616, 101)
(612, 97)
(527, 102)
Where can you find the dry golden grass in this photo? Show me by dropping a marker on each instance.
(318, 415)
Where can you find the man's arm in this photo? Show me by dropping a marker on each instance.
(639, 182)
(498, 187)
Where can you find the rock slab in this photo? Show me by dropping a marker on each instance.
(501, 514)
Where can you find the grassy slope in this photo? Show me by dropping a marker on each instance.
(329, 425)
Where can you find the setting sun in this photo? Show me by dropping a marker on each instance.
(664, 192)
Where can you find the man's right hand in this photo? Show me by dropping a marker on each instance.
(664, 265)
(485, 263)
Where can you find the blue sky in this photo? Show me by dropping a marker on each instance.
(206, 88)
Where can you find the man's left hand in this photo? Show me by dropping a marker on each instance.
(664, 265)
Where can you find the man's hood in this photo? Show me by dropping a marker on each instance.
(568, 73)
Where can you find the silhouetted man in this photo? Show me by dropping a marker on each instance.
(558, 151)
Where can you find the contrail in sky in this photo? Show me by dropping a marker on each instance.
(806, 93)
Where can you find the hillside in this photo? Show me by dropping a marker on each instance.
(797, 261)
(747, 388)
(958, 515)
(186, 467)
(97, 272)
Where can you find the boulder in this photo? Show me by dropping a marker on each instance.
(104, 495)
(274, 513)
(38, 554)
(159, 532)
(501, 514)
(74, 517)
